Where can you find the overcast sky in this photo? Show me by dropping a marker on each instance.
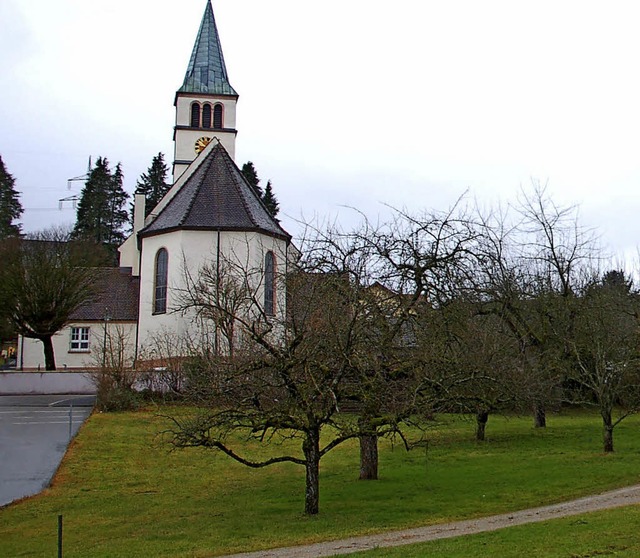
(350, 103)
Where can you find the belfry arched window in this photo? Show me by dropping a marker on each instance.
(269, 284)
(217, 116)
(160, 282)
(195, 115)
(206, 116)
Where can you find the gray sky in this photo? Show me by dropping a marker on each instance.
(351, 103)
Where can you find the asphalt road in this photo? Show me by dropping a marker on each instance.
(35, 431)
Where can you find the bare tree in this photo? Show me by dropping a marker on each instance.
(222, 290)
(393, 269)
(44, 278)
(604, 343)
(114, 375)
(467, 363)
(283, 378)
(530, 267)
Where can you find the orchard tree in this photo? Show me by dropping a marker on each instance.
(10, 206)
(397, 273)
(531, 264)
(43, 280)
(284, 378)
(605, 343)
(365, 345)
(468, 363)
(101, 214)
(153, 184)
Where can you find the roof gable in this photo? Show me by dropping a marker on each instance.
(214, 196)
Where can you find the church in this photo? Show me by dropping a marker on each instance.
(211, 218)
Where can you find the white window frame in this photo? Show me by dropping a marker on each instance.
(79, 341)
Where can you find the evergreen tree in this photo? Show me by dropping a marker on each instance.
(270, 200)
(118, 218)
(267, 196)
(101, 213)
(10, 206)
(250, 173)
(153, 184)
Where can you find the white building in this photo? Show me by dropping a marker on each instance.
(211, 217)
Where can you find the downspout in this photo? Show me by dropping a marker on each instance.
(216, 341)
(139, 211)
(135, 351)
(286, 280)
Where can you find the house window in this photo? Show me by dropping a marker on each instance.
(160, 282)
(269, 284)
(206, 116)
(217, 117)
(195, 115)
(79, 339)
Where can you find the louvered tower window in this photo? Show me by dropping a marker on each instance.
(195, 115)
(217, 117)
(160, 282)
(206, 116)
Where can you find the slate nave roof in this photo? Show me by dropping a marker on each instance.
(215, 196)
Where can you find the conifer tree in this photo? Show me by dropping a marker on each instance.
(118, 218)
(270, 200)
(267, 196)
(10, 206)
(250, 173)
(153, 184)
(101, 213)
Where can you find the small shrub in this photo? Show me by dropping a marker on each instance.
(117, 398)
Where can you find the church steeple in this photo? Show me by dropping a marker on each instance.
(207, 72)
(206, 101)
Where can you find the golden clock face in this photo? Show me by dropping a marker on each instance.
(201, 143)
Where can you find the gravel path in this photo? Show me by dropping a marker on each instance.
(614, 499)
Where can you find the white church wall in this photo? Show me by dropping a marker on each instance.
(79, 352)
(189, 251)
(129, 255)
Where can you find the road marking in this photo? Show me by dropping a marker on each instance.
(52, 413)
(51, 422)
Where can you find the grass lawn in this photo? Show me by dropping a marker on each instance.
(609, 533)
(123, 494)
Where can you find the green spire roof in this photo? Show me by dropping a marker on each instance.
(207, 72)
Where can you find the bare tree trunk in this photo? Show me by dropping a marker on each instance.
(49, 357)
(368, 450)
(539, 415)
(607, 431)
(368, 457)
(482, 417)
(311, 449)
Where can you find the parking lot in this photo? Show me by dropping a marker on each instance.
(35, 431)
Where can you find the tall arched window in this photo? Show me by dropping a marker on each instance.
(206, 116)
(160, 282)
(195, 115)
(217, 116)
(269, 284)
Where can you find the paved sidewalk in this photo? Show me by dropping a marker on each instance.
(616, 498)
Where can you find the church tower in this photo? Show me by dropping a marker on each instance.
(206, 102)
